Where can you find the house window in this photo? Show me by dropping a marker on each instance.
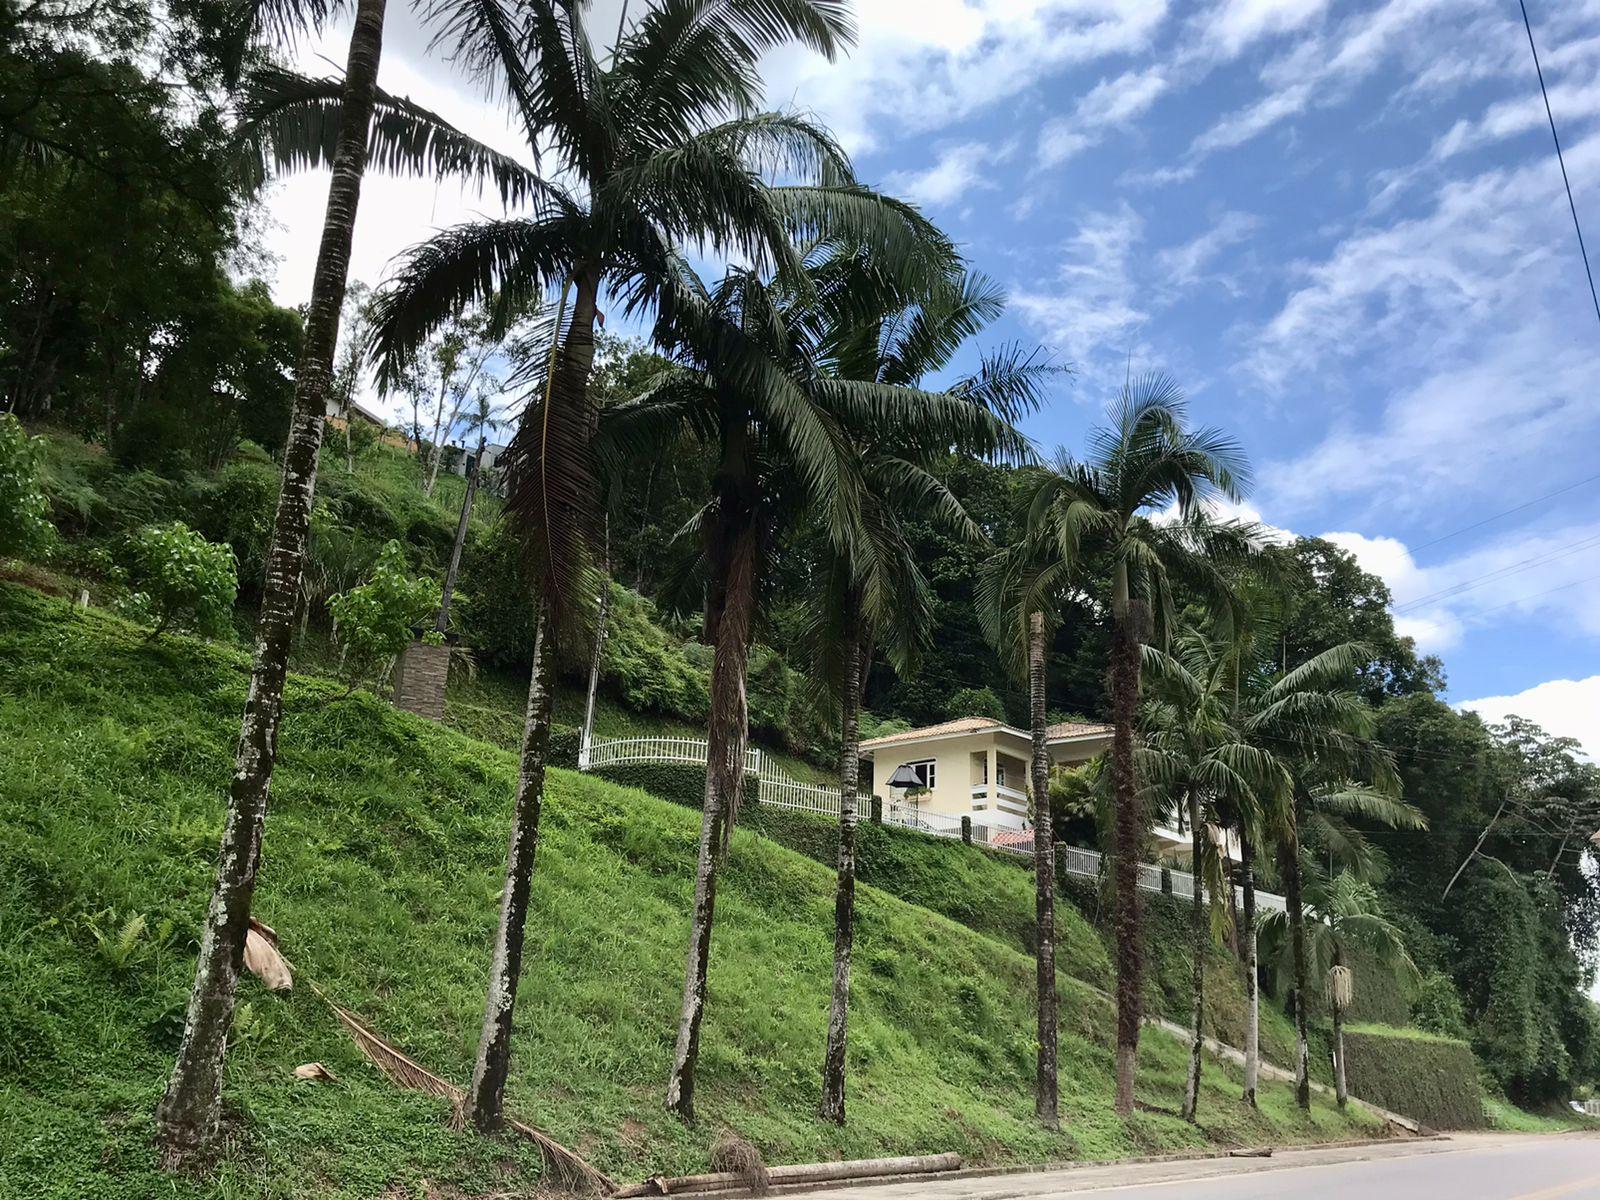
(1000, 773)
(926, 772)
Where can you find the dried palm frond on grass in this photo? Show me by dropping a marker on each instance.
(736, 1156)
(566, 1168)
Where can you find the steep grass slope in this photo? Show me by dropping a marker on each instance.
(382, 863)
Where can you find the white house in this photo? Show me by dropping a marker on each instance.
(974, 766)
(977, 767)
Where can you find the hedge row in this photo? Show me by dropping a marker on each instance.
(1431, 1079)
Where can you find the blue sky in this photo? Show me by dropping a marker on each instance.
(1340, 226)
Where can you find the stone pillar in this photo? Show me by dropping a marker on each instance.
(966, 830)
(419, 679)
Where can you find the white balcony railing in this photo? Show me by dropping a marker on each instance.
(775, 786)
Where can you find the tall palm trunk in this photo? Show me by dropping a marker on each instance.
(596, 659)
(1252, 1035)
(844, 897)
(734, 549)
(187, 1119)
(454, 570)
(1289, 866)
(1341, 1090)
(569, 381)
(1047, 1092)
(486, 1096)
(1128, 827)
(1197, 945)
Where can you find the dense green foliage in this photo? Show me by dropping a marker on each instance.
(123, 230)
(26, 530)
(1431, 1079)
(381, 881)
(375, 620)
(180, 578)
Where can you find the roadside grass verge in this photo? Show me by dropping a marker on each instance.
(383, 857)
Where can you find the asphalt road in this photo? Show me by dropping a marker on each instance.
(1473, 1167)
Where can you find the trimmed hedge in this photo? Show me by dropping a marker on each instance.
(681, 783)
(1431, 1079)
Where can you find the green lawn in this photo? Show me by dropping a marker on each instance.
(382, 861)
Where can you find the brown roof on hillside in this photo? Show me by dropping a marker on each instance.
(1057, 732)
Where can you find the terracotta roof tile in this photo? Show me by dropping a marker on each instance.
(959, 725)
(1062, 729)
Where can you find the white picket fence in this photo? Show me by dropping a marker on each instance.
(775, 786)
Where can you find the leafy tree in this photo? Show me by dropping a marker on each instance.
(976, 702)
(26, 530)
(781, 429)
(1202, 760)
(376, 620)
(1144, 462)
(181, 578)
(1315, 595)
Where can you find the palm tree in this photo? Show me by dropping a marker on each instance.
(1321, 732)
(753, 383)
(1201, 757)
(1146, 461)
(1018, 623)
(874, 590)
(337, 130)
(659, 146)
(1347, 913)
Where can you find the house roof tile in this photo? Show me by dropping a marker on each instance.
(1056, 732)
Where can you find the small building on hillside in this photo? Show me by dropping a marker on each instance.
(973, 766)
(977, 767)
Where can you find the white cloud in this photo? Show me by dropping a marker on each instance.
(1110, 104)
(957, 172)
(1467, 320)
(927, 64)
(1516, 576)
(1562, 707)
(1321, 70)
(1235, 24)
(1508, 118)
(1185, 264)
(1091, 303)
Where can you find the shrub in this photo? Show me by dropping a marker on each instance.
(374, 620)
(1437, 1008)
(180, 578)
(26, 530)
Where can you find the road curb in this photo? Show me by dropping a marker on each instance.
(1064, 1167)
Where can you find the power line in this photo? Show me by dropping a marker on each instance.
(1506, 513)
(1536, 595)
(1500, 573)
(1560, 158)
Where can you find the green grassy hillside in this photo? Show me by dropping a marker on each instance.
(382, 862)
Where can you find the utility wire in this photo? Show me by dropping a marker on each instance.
(1505, 513)
(1524, 599)
(1560, 158)
(1501, 573)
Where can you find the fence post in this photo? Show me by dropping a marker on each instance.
(1166, 881)
(966, 830)
(877, 810)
